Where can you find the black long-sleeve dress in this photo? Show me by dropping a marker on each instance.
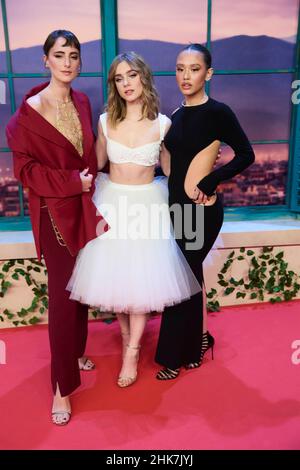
(193, 129)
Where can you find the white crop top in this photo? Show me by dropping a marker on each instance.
(146, 155)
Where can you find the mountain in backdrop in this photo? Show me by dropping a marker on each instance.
(237, 52)
(261, 101)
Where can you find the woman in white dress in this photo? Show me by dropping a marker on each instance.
(136, 267)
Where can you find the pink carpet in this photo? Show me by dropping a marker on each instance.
(247, 398)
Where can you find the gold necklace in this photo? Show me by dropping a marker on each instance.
(49, 91)
(64, 101)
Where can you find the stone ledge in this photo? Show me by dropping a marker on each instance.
(277, 232)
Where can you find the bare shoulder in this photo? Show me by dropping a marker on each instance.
(35, 102)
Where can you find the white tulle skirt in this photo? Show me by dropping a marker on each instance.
(136, 266)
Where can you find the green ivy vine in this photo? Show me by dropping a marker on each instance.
(15, 269)
(268, 273)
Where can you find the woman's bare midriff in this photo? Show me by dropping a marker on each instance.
(130, 173)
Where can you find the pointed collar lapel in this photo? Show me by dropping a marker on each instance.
(37, 124)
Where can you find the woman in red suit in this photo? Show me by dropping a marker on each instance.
(52, 142)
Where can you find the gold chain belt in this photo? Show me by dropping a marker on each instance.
(58, 235)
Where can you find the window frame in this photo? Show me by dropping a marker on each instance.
(109, 31)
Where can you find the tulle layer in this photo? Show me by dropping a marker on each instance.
(137, 266)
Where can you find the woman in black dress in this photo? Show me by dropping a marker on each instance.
(198, 127)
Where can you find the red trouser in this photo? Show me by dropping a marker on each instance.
(67, 318)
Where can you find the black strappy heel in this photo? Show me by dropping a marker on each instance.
(167, 374)
(208, 342)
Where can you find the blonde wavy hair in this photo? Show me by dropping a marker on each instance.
(116, 106)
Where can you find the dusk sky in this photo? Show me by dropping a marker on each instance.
(168, 20)
(263, 153)
(172, 21)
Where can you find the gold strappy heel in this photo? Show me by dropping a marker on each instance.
(124, 381)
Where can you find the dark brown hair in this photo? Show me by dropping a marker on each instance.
(71, 40)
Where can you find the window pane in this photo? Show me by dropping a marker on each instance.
(170, 96)
(2, 46)
(5, 111)
(23, 85)
(263, 183)
(261, 102)
(254, 34)
(9, 189)
(157, 29)
(27, 32)
(92, 87)
(25, 202)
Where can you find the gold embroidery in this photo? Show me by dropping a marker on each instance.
(68, 123)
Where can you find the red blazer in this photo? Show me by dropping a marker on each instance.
(49, 165)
